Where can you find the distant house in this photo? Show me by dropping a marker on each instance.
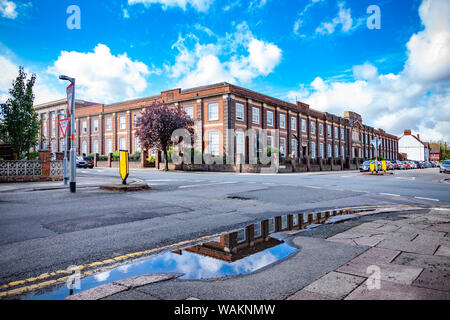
(413, 147)
(435, 152)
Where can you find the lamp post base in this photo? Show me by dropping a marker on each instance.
(73, 187)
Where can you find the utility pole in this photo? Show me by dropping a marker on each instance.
(71, 104)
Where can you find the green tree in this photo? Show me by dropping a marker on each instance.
(20, 124)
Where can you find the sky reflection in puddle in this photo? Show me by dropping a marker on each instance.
(194, 266)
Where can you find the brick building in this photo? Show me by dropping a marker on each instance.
(303, 131)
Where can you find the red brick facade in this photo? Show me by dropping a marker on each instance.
(306, 133)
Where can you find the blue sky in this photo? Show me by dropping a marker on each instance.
(317, 51)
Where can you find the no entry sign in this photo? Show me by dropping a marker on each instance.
(63, 125)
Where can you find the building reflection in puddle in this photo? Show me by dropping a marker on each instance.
(237, 253)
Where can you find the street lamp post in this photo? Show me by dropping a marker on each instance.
(73, 185)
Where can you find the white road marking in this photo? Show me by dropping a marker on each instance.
(390, 194)
(406, 178)
(430, 199)
(207, 184)
(313, 187)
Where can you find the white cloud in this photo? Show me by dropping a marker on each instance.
(199, 5)
(416, 98)
(8, 9)
(257, 4)
(102, 76)
(237, 57)
(300, 20)
(343, 19)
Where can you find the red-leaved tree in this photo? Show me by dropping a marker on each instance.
(158, 122)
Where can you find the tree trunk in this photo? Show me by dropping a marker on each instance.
(166, 158)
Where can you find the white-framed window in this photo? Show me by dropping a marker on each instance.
(213, 112)
(269, 141)
(342, 152)
(294, 150)
(295, 220)
(240, 112)
(284, 222)
(329, 151)
(240, 142)
(108, 146)
(282, 121)
(342, 133)
(122, 123)
(313, 127)
(329, 130)
(303, 125)
(53, 146)
(95, 125)
(213, 143)
(313, 150)
(84, 147)
(53, 116)
(271, 225)
(137, 144)
(283, 146)
(84, 126)
(270, 118)
(108, 124)
(53, 129)
(189, 111)
(336, 132)
(321, 150)
(255, 115)
(61, 145)
(122, 144)
(321, 129)
(137, 116)
(257, 230)
(241, 236)
(95, 146)
(336, 151)
(294, 123)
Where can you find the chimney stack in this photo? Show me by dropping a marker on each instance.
(407, 132)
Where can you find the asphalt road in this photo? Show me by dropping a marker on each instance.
(44, 231)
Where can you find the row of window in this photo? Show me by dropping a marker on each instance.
(109, 148)
(329, 151)
(122, 123)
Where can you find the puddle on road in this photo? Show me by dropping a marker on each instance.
(238, 253)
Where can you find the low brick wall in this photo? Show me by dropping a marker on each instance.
(43, 169)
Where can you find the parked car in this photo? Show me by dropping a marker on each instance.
(398, 165)
(412, 164)
(445, 167)
(81, 163)
(90, 162)
(390, 165)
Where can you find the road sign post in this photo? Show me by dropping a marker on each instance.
(63, 125)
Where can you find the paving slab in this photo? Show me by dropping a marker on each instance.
(97, 293)
(443, 251)
(408, 246)
(388, 228)
(336, 285)
(308, 295)
(395, 291)
(388, 271)
(143, 280)
(411, 229)
(427, 239)
(433, 279)
(423, 261)
(374, 255)
(442, 227)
